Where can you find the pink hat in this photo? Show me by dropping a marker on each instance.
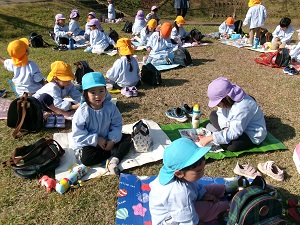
(95, 22)
(74, 13)
(220, 88)
(153, 8)
(92, 14)
(59, 17)
(140, 15)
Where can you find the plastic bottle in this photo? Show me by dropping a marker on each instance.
(196, 116)
(255, 44)
(71, 43)
(76, 173)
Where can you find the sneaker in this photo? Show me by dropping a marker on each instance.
(60, 121)
(56, 48)
(169, 61)
(126, 91)
(293, 71)
(269, 168)
(246, 170)
(63, 48)
(188, 110)
(134, 91)
(50, 123)
(88, 49)
(286, 70)
(177, 114)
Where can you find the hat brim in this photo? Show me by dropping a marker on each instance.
(212, 104)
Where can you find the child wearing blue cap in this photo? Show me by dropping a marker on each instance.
(97, 126)
(175, 194)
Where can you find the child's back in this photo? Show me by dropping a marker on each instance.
(139, 23)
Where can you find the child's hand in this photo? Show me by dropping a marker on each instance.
(209, 197)
(204, 140)
(109, 145)
(102, 142)
(75, 106)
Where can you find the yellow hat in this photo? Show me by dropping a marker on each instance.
(125, 46)
(180, 20)
(152, 23)
(229, 21)
(17, 51)
(253, 3)
(62, 71)
(165, 30)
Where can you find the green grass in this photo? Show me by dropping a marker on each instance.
(24, 202)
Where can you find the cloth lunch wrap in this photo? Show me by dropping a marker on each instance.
(140, 137)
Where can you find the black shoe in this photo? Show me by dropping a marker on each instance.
(2, 93)
(63, 48)
(56, 48)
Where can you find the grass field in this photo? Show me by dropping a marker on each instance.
(24, 202)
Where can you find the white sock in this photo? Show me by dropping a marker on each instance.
(113, 163)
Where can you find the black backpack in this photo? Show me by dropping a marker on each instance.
(37, 41)
(196, 35)
(150, 75)
(82, 68)
(113, 35)
(283, 58)
(265, 36)
(36, 159)
(127, 27)
(25, 114)
(182, 57)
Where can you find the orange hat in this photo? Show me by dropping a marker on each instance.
(180, 20)
(165, 30)
(125, 46)
(253, 3)
(17, 51)
(62, 71)
(229, 21)
(152, 23)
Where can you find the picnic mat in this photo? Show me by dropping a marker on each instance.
(133, 198)
(260, 49)
(269, 144)
(166, 67)
(233, 43)
(132, 159)
(4, 105)
(188, 45)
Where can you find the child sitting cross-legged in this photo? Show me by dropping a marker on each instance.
(97, 126)
(282, 34)
(175, 194)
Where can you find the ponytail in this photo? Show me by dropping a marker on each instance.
(129, 60)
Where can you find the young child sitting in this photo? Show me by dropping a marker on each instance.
(226, 28)
(91, 15)
(147, 31)
(153, 14)
(160, 46)
(125, 70)
(74, 25)
(59, 86)
(139, 23)
(111, 13)
(176, 196)
(62, 33)
(99, 40)
(27, 76)
(178, 34)
(97, 126)
(295, 50)
(282, 34)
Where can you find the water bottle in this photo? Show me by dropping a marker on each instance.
(71, 43)
(196, 116)
(255, 44)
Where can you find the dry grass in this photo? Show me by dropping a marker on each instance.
(24, 202)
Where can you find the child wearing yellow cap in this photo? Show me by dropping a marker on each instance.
(59, 86)
(255, 18)
(147, 31)
(27, 76)
(178, 34)
(160, 46)
(125, 70)
(226, 28)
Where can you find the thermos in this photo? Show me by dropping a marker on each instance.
(255, 44)
(196, 116)
(71, 43)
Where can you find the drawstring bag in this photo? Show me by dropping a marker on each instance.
(140, 137)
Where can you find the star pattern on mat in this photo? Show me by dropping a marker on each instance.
(139, 210)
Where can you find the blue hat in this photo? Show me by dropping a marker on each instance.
(93, 79)
(179, 154)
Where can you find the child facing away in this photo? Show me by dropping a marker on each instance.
(255, 18)
(282, 34)
(147, 31)
(27, 76)
(97, 126)
(125, 70)
(175, 194)
(111, 12)
(178, 34)
(160, 46)
(239, 123)
(153, 14)
(62, 33)
(139, 23)
(226, 28)
(59, 86)
(99, 40)
(74, 25)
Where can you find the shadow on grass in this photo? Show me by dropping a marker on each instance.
(127, 107)
(282, 132)
(198, 62)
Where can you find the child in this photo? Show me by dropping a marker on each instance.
(255, 18)
(99, 40)
(91, 15)
(111, 13)
(295, 50)
(283, 33)
(153, 14)
(97, 126)
(226, 28)
(239, 122)
(62, 33)
(74, 25)
(178, 34)
(175, 194)
(147, 31)
(125, 70)
(59, 86)
(160, 46)
(27, 76)
(139, 23)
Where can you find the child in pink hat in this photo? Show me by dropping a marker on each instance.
(153, 14)
(239, 123)
(139, 23)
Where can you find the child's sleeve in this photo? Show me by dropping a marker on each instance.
(276, 32)
(8, 65)
(115, 133)
(174, 33)
(59, 33)
(58, 100)
(289, 34)
(35, 73)
(75, 94)
(248, 17)
(222, 28)
(110, 41)
(113, 73)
